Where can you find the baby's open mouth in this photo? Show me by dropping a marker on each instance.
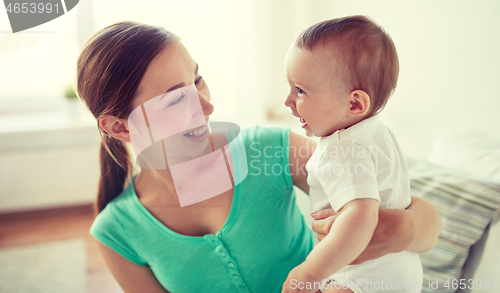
(197, 131)
(303, 122)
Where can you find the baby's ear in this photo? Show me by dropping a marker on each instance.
(359, 103)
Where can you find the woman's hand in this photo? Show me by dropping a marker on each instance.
(392, 234)
(415, 229)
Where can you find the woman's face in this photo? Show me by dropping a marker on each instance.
(173, 69)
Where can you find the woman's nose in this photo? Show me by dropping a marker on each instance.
(206, 106)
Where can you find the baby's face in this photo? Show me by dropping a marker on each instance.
(318, 97)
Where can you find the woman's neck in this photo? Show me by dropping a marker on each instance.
(156, 187)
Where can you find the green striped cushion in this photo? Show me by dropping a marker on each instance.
(466, 207)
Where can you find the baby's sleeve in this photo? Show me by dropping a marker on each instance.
(347, 172)
(109, 231)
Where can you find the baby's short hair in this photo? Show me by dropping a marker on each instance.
(365, 52)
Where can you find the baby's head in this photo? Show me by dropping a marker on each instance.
(340, 71)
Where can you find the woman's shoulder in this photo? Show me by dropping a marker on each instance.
(267, 153)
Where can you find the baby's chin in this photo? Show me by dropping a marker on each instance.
(309, 132)
(316, 134)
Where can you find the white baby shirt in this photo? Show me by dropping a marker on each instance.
(362, 161)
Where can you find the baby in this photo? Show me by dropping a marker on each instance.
(341, 73)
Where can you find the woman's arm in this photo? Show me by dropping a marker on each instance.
(415, 229)
(131, 277)
(427, 225)
(300, 150)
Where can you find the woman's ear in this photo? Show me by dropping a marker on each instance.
(116, 127)
(359, 103)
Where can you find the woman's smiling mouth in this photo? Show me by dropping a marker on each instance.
(197, 131)
(198, 134)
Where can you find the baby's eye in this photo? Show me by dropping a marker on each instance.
(197, 81)
(300, 91)
(178, 100)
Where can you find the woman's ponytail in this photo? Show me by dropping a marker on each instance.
(116, 169)
(109, 70)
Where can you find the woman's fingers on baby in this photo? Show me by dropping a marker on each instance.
(319, 215)
(322, 227)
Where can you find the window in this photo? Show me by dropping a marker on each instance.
(38, 63)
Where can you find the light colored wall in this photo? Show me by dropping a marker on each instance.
(448, 54)
(450, 67)
(222, 36)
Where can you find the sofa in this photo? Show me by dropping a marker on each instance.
(462, 179)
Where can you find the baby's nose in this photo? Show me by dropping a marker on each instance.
(289, 102)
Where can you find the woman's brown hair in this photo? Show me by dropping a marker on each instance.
(109, 70)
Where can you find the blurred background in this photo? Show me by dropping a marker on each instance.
(449, 73)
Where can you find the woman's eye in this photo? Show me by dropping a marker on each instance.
(178, 100)
(197, 81)
(301, 92)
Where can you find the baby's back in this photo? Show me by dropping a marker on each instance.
(392, 176)
(362, 161)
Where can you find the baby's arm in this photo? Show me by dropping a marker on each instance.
(415, 229)
(348, 237)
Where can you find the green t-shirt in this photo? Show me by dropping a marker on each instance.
(264, 237)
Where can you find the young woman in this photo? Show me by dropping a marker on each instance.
(246, 239)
